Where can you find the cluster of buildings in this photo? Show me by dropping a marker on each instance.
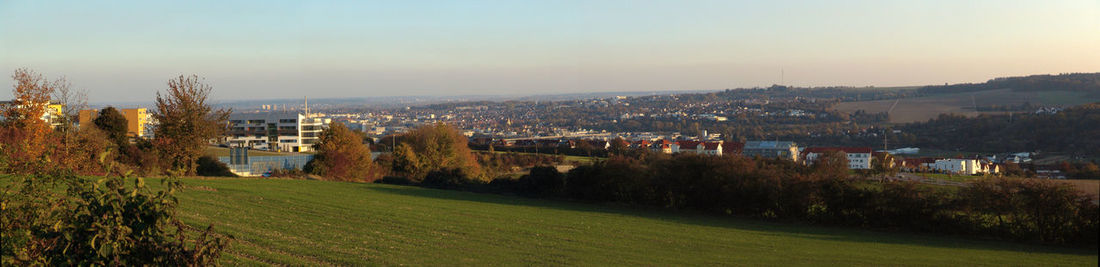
(51, 113)
(859, 158)
(948, 165)
(139, 122)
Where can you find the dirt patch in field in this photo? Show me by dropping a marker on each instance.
(1091, 187)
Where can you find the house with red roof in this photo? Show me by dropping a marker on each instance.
(732, 148)
(710, 148)
(688, 146)
(917, 164)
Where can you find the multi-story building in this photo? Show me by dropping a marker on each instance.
(52, 114)
(138, 120)
(859, 158)
(771, 149)
(274, 131)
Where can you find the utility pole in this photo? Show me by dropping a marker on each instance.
(884, 147)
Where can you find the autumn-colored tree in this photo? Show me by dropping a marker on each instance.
(186, 122)
(25, 135)
(341, 155)
(832, 164)
(884, 164)
(85, 151)
(619, 146)
(433, 147)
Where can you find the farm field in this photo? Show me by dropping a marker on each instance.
(301, 222)
(923, 108)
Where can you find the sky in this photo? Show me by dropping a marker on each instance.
(127, 50)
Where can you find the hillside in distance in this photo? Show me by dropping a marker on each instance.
(997, 96)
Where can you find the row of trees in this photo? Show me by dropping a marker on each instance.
(54, 214)
(773, 189)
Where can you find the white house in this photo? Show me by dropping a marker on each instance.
(859, 158)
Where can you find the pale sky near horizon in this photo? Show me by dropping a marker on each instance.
(126, 50)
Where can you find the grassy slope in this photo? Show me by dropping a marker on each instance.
(313, 223)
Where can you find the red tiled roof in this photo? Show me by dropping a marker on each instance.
(711, 145)
(688, 144)
(732, 146)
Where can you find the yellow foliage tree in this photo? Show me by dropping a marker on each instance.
(341, 155)
(434, 147)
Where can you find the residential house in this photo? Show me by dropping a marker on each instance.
(859, 158)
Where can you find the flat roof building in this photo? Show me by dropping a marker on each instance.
(771, 149)
(274, 131)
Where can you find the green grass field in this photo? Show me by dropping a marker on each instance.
(300, 222)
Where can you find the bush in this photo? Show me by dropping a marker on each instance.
(1030, 209)
(543, 181)
(396, 180)
(448, 178)
(98, 223)
(211, 166)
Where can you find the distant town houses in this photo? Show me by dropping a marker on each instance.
(951, 166)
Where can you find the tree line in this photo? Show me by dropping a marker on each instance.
(1085, 82)
(772, 189)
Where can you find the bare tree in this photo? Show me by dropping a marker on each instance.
(72, 101)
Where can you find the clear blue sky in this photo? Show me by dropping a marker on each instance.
(126, 50)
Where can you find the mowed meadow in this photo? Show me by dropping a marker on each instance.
(303, 222)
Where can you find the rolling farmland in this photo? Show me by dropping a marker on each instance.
(923, 108)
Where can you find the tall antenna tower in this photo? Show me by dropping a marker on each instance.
(884, 147)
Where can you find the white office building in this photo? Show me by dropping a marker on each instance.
(274, 131)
